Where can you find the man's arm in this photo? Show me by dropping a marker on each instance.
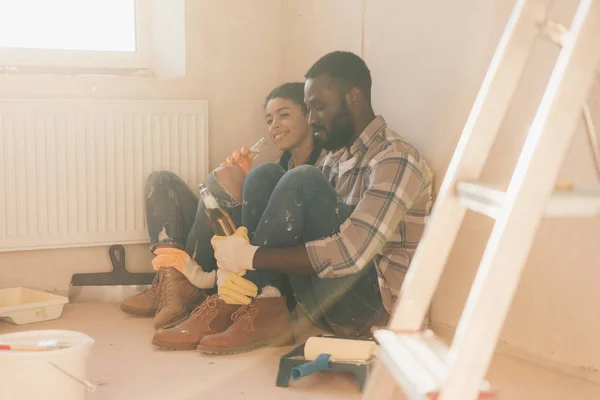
(285, 259)
(396, 181)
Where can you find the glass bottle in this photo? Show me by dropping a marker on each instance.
(220, 221)
(257, 148)
(245, 163)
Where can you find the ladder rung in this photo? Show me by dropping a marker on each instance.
(481, 198)
(555, 31)
(580, 201)
(418, 362)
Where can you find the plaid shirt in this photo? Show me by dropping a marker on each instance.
(388, 185)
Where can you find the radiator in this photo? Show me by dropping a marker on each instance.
(72, 172)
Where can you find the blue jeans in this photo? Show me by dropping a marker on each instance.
(290, 208)
(175, 216)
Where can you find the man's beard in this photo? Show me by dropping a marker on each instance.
(341, 133)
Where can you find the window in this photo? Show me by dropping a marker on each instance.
(75, 33)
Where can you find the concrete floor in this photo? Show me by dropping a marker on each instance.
(125, 365)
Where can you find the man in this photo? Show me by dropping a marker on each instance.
(342, 234)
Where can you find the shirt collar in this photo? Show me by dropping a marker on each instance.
(364, 140)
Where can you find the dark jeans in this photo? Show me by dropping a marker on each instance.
(286, 209)
(175, 216)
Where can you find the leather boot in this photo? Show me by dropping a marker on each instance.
(212, 316)
(264, 322)
(178, 297)
(143, 304)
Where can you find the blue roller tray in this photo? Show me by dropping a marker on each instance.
(293, 365)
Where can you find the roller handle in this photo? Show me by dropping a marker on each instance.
(321, 363)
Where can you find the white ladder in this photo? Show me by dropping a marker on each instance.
(416, 362)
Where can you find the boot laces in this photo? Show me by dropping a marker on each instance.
(166, 291)
(211, 302)
(153, 290)
(244, 312)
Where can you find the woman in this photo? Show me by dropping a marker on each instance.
(179, 230)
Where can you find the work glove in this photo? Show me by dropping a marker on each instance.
(180, 260)
(241, 158)
(233, 289)
(234, 253)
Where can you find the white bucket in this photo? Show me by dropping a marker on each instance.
(53, 374)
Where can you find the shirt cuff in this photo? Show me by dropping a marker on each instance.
(320, 264)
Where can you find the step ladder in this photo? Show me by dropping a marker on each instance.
(417, 363)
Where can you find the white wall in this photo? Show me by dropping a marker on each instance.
(426, 59)
(312, 28)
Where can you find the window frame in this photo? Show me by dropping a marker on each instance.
(89, 59)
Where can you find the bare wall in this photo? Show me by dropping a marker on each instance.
(312, 28)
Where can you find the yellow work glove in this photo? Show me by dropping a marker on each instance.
(169, 257)
(233, 289)
(180, 260)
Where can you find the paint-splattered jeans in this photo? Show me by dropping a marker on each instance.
(289, 208)
(175, 216)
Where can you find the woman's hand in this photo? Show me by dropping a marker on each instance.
(241, 158)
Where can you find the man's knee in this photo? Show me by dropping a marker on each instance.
(232, 179)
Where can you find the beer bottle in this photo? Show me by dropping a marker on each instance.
(220, 221)
(258, 148)
(245, 163)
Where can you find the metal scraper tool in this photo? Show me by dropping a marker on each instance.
(109, 287)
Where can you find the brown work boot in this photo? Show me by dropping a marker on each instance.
(264, 322)
(178, 297)
(145, 303)
(212, 316)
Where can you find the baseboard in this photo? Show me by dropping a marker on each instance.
(588, 374)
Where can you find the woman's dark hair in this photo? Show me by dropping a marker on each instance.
(293, 91)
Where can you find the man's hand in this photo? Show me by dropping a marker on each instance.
(233, 289)
(180, 260)
(241, 158)
(234, 253)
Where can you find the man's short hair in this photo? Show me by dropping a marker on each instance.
(345, 67)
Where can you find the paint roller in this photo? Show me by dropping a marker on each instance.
(321, 351)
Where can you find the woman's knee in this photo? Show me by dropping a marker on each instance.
(268, 173)
(302, 174)
(232, 179)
